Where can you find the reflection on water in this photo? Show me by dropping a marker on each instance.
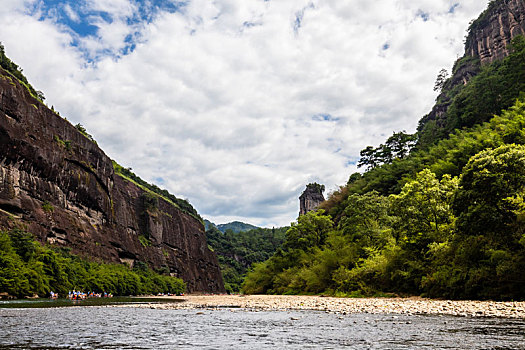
(45, 303)
(135, 328)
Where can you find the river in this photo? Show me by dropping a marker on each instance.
(96, 327)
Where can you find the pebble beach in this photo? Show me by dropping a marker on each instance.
(408, 306)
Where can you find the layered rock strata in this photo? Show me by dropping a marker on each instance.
(491, 34)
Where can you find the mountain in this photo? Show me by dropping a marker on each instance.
(208, 225)
(236, 226)
(60, 186)
(481, 85)
(239, 245)
(439, 213)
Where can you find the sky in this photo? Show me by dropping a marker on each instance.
(236, 105)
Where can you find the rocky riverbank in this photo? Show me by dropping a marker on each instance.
(349, 305)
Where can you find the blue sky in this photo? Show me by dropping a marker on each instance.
(84, 18)
(237, 105)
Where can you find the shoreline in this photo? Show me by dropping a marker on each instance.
(406, 306)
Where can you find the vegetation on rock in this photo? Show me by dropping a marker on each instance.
(84, 132)
(493, 89)
(16, 71)
(183, 204)
(315, 187)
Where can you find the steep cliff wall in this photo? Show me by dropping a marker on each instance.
(490, 35)
(63, 187)
(488, 40)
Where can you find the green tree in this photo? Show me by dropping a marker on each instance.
(27, 268)
(424, 218)
(397, 146)
(441, 80)
(12, 269)
(366, 220)
(423, 210)
(369, 158)
(237, 251)
(487, 255)
(309, 231)
(23, 243)
(490, 196)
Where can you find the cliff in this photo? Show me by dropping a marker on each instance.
(311, 197)
(62, 186)
(490, 35)
(488, 41)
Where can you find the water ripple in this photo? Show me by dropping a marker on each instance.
(134, 328)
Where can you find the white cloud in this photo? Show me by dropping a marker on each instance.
(72, 15)
(220, 100)
(116, 8)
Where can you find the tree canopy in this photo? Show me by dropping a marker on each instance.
(28, 268)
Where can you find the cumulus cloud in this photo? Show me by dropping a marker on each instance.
(237, 105)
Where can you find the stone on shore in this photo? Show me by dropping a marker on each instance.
(344, 306)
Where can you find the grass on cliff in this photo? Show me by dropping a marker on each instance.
(16, 72)
(495, 88)
(483, 19)
(153, 189)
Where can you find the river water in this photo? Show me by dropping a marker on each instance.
(95, 327)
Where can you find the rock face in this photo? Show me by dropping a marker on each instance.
(488, 41)
(63, 188)
(311, 198)
(463, 71)
(493, 31)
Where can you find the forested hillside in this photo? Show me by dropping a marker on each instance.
(237, 251)
(442, 235)
(236, 226)
(439, 213)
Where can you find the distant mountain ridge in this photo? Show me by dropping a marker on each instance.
(235, 226)
(238, 251)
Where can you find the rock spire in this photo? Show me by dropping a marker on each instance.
(311, 198)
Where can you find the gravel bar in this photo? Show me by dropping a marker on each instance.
(413, 305)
